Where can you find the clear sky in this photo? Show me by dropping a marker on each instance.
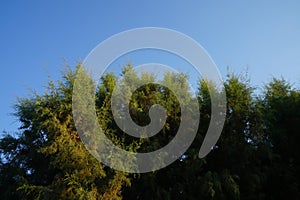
(36, 37)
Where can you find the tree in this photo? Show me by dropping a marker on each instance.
(256, 157)
(47, 159)
(281, 112)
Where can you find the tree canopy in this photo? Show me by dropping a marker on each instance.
(256, 157)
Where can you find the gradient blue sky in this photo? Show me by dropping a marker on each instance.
(37, 36)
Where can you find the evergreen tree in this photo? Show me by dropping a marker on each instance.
(256, 157)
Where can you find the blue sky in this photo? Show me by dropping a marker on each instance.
(37, 37)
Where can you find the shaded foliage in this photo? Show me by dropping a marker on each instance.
(256, 157)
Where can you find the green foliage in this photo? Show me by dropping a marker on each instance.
(257, 156)
(49, 160)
